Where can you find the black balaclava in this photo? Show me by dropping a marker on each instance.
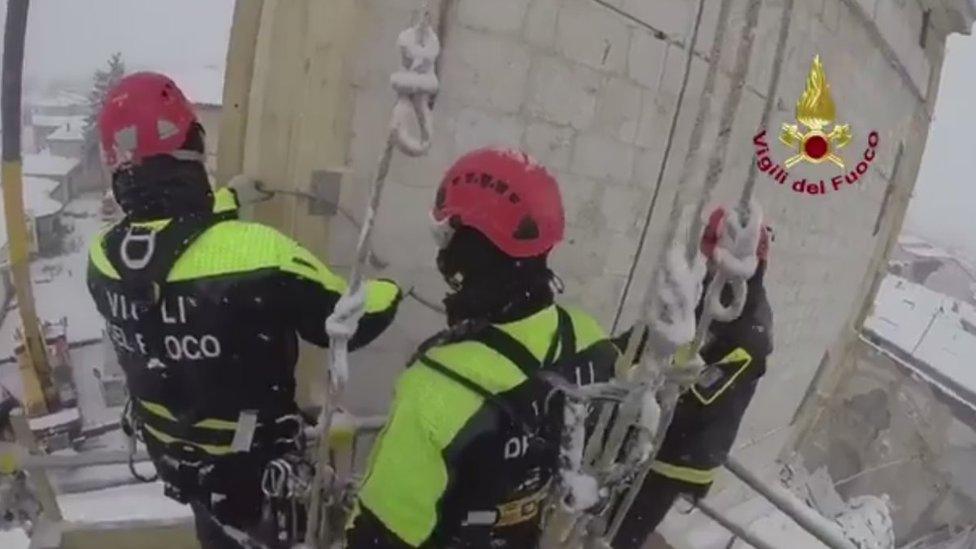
(162, 186)
(487, 284)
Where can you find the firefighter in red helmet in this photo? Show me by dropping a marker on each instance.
(707, 417)
(205, 312)
(470, 448)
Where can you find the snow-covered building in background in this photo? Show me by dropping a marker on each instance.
(66, 171)
(59, 103)
(44, 125)
(43, 211)
(934, 267)
(932, 332)
(68, 140)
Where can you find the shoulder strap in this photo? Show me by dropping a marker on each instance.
(515, 351)
(143, 257)
(455, 377)
(566, 333)
(509, 347)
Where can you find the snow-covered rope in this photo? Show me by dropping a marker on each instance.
(673, 346)
(415, 83)
(565, 526)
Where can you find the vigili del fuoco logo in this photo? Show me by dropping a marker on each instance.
(816, 138)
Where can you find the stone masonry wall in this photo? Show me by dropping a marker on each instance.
(590, 88)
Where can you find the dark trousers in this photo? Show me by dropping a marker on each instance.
(213, 535)
(652, 504)
(241, 512)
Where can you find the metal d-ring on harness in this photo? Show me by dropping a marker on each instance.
(286, 484)
(415, 84)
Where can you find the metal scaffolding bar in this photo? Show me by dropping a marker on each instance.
(819, 527)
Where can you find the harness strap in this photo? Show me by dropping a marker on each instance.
(143, 257)
(564, 341)
(497, 339)
(144, 272)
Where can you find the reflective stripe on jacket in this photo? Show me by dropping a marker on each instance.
(232, 310)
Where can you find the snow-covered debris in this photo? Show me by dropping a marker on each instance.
(867, 522)
(864, 520)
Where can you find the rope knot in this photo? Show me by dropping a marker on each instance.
(738, 235)
(415, 83)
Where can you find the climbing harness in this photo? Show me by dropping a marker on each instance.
(415, 84)
(286, 484)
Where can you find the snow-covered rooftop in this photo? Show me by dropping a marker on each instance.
(62, 98)
(928, 326)
(48, 164)
(56, 121)
(37, 202)
(919, 247)
(70, 131)
(59, 283)
(202, 86)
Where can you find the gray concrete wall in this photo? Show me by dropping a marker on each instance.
(590, 88)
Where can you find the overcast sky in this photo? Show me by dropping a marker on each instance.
(71, 38)
(944, 204)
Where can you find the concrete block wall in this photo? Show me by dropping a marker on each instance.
(591, 92)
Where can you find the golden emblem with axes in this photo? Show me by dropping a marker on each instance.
(816, 111)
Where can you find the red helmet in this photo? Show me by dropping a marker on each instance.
(505, 195)
(713, 232)
(144, 115)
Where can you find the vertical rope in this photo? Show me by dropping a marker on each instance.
(784, 32)
(672, 130)
(716, 162)
(669, 395)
